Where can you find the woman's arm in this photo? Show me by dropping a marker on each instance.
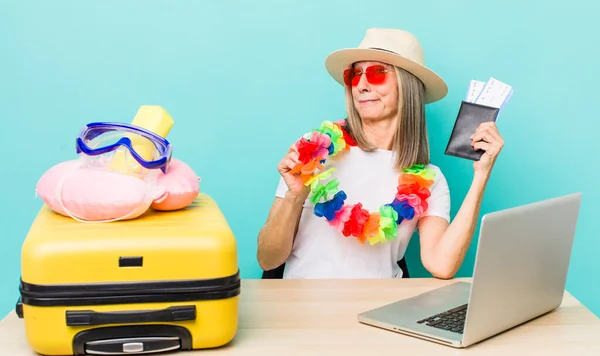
(443, 245)
(276, 238)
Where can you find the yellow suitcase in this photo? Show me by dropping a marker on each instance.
(165, 281)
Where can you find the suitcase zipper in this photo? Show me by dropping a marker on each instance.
(135, 292)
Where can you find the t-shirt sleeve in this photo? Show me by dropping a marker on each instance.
(439, 201)
(282, 188)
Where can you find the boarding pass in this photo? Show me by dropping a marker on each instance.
(492, 93)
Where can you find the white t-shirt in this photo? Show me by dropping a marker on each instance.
(320, 251)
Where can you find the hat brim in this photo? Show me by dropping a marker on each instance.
(338, 61)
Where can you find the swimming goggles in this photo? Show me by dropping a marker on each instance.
(150, 150)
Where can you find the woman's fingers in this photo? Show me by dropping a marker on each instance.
(293, 148)
(294, 156)
(288, 162)
(292, 163)
(484, 135)
(487, 147)
(487, 131)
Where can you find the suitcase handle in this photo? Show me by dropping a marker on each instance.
(19, 308)
(90, 317)
(115, 338)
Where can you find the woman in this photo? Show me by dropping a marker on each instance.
(390, 188)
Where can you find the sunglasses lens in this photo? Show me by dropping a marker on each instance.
(348, 74)
(376, 74)
(352, 76)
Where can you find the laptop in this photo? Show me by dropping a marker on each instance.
(520, 273)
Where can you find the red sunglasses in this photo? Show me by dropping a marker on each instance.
(375, 75)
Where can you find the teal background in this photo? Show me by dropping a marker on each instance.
(243, 80)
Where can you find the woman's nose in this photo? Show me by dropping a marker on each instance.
(363, 84)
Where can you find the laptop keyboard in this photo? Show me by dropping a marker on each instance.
(451, 320)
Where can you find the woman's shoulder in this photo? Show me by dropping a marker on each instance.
(433, 167)
(438, 173)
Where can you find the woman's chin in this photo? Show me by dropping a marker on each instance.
(372, 117)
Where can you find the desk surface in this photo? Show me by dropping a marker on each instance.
(289, 317)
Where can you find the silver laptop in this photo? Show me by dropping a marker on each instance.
(520, 273)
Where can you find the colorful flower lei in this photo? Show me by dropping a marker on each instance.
(410, 201)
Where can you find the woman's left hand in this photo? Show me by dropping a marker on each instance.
(487, 138)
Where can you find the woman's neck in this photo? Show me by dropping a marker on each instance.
(381, 132)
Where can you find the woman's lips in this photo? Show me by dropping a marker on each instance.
(367, 101)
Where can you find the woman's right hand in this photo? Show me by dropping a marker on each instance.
(294, 182)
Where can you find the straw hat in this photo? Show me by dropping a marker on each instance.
(391, 46)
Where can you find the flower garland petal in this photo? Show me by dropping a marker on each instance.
(347, 138)
(337, 136)
(320, 191)
(320, 176)
(403, 209)
(341, 216)
(356, 222)
(329, 208)
(322, 143)
(371, 228)
(415, 169)
(306, 150)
